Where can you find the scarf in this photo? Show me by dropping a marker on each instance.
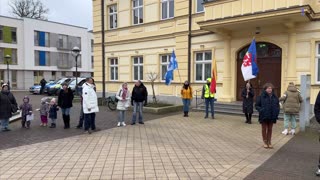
(186, 86)
(124, 93)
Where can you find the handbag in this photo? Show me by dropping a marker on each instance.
(30, 117)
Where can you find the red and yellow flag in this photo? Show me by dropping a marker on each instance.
(213, 86)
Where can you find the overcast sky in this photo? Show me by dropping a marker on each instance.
(75, 12)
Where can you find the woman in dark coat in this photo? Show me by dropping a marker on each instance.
(8, 105)
(65, 99)
(317, 116)
(247, 105)
(268, 107)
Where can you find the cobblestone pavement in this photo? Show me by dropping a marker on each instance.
(171, 147)
(106, 119)
(296, 160)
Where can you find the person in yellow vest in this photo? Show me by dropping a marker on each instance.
(186, 95)
(209, 98)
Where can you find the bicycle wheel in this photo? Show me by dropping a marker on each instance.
(112, 105)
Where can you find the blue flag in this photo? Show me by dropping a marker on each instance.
(173, 65)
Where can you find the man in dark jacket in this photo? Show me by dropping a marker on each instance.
(43, 83)
(8, 105)
(317, 115)
(139, 95)
(65, 99)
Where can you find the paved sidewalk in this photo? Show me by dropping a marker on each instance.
(296, 160)
(106, 119)
(172, 147)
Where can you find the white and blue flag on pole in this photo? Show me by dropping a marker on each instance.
(249, 66)
(173, 65)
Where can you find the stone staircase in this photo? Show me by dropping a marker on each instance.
(233, 108)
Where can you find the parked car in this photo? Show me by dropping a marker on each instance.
(54, 88)
(35, 89)
(72, 84)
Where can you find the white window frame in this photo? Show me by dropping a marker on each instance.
(164, 64)
(317, 59)
(138, 8)
(168, 9)
(203, 62)
(197, 6)
(114, 66)
(113, 14)
(139, 64)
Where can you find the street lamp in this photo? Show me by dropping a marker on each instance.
(8, 58)
(76, 52)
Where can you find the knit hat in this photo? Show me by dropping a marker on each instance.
(53, 101)
(3, 85)
(27, 98)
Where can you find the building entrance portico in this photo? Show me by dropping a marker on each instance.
(269, 63)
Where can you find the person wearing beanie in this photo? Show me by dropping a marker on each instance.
(8, 105)
(26, 109)
(65, 99)
(53, 112)
(44, 111)
(186, 95)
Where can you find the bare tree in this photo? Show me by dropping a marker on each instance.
(153, 76)
(29, 8)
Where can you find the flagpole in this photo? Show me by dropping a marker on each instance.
(179, 75)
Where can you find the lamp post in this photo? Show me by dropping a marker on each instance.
(76, 53)
(8, 58)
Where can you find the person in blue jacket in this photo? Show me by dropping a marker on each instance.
(267, 104)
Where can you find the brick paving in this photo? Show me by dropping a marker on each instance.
(106, 119)
(296, 160)
(170, 147)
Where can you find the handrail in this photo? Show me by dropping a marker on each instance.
(199, 101)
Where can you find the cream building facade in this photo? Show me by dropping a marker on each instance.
(141, 34)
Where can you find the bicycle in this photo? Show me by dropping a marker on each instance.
(111, 103)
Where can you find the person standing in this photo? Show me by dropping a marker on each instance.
(8, 105)
(123, 96)
(247, 101)
(291, 100)
(44, 111)
(317, 116)
(139, 99)
(186, 95)
(209, 98)
(90, 105)
(43, 83)
(65, 99)
(267, 105)
(26, 109)
(53, 112)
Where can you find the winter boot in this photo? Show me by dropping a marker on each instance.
(68, 121)
(293, 132)
(64, 117)
(247, 118)
(187, 114)
(53, 125)
(250, 116)
(184, 114)
(285, 132)
(318, 172)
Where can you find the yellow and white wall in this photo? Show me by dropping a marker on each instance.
(224, 28)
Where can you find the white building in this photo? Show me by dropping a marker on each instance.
(42, 49)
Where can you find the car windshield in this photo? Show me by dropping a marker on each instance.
(73, 82)
(61, 81)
